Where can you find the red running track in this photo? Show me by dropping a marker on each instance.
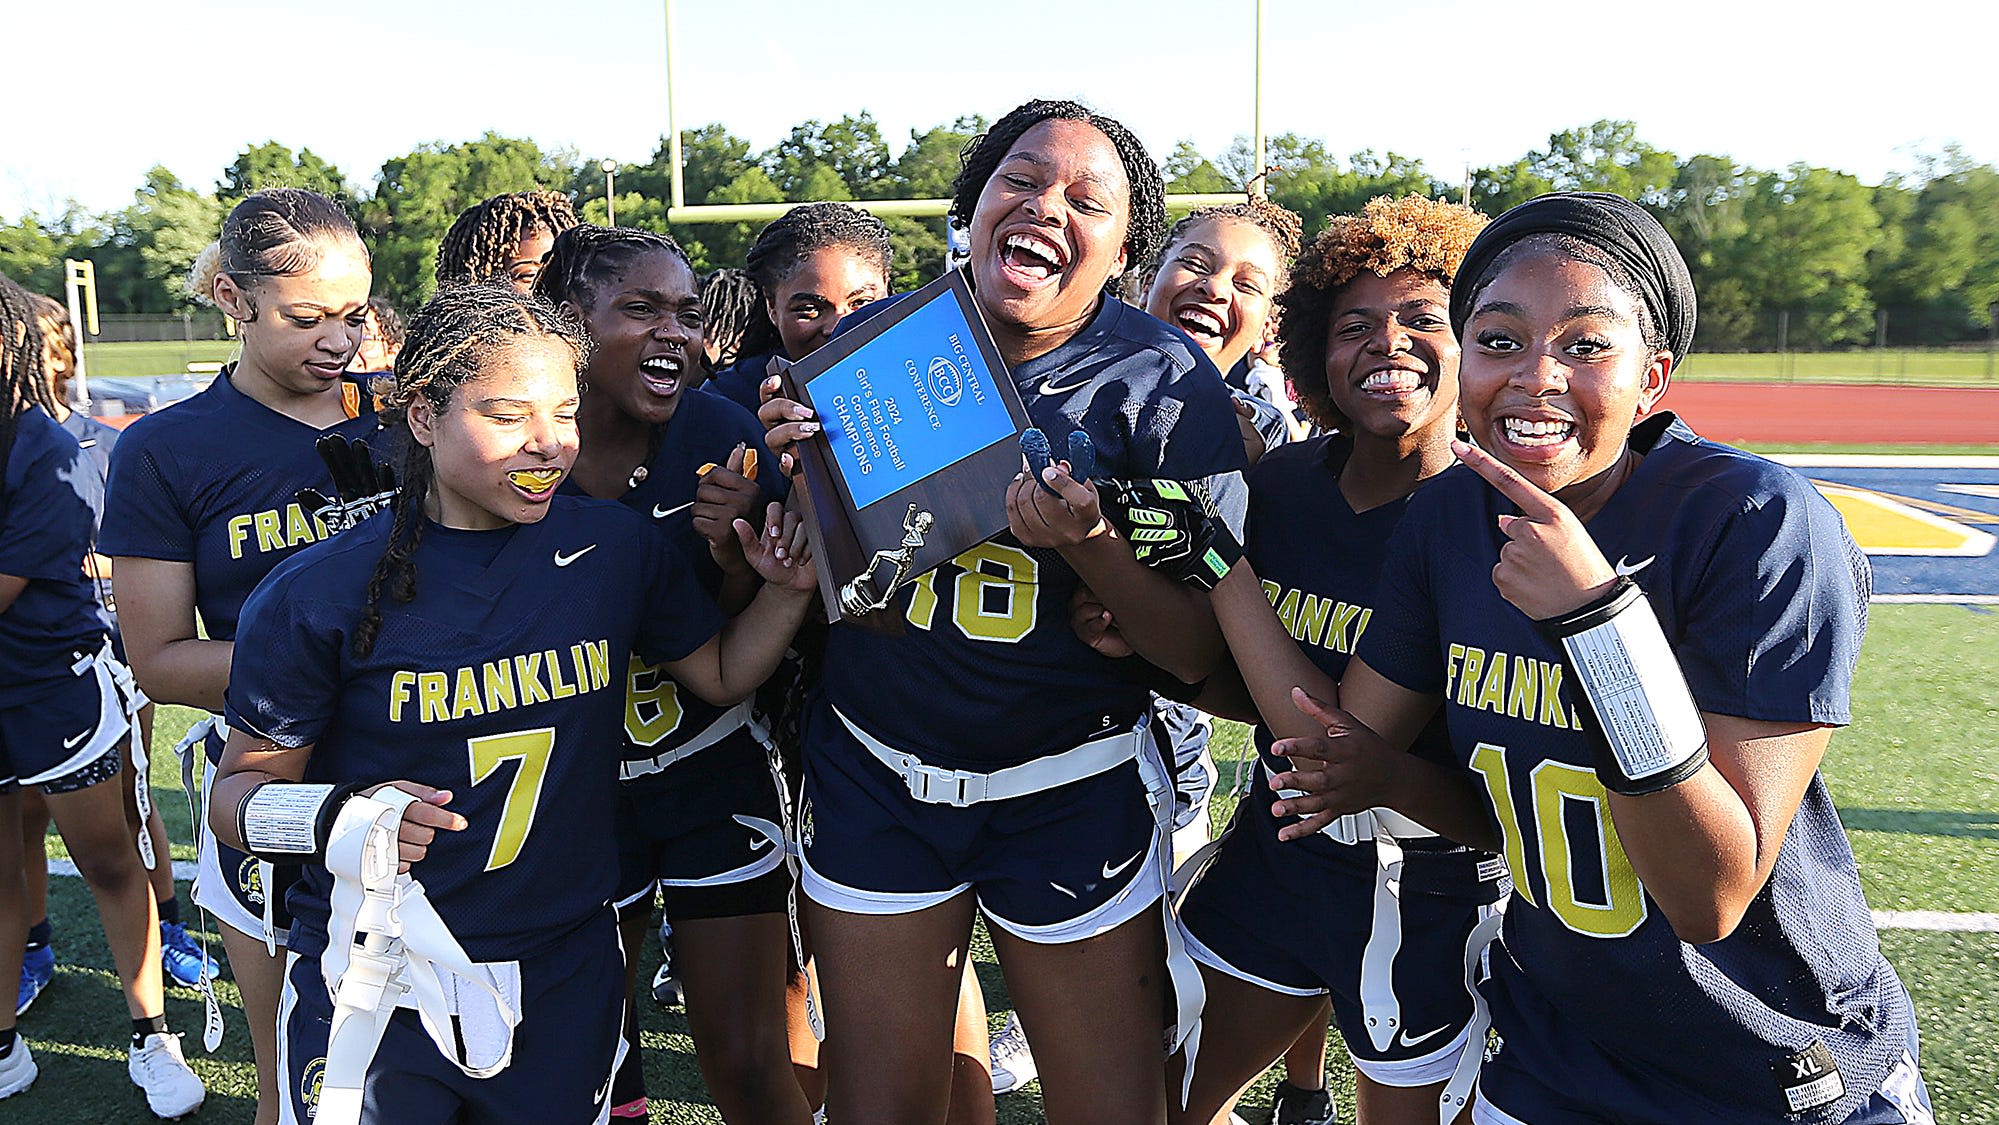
(1793, 412)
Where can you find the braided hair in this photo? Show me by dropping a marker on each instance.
(1278, 223)
(729, 303)
(1147, 220)
(22, 381)
(448, 344)
(482, 240)
(1426, 235)
(277, 232)
(582, 254)
(795, 236)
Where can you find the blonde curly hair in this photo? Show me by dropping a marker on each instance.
(1429, 236)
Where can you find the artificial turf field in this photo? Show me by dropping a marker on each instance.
(1916, 778)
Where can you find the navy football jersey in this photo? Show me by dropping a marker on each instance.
(1319, 561)
(97, 439)
(50, 497)
(1763, 597)
(988, 673)
(502, 682)
(212, 481)
(705, 428)
(741, 382)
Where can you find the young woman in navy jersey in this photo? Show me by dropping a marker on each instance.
(1642, 642)
(812, 266)
(1066, 860)
(1375, 913)
(203, 501)
(473, 651)
(180, 955)
(1216, 279)
(63, 714)
(701, 810)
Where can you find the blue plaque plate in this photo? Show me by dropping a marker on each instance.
(920, 416)
(917, 398)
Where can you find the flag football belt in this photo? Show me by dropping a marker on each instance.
(724, 725)
(193, 759)
(1386, 828)
(964, 788)
(387, 948)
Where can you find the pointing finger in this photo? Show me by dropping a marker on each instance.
(1533, 503)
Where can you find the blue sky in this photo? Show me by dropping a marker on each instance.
(121, 85)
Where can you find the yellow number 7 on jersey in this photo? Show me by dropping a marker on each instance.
(531, 749)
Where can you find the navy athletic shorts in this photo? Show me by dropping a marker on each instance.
(1056, 866)
(67, 737)
(1297, 918)
(701, 830)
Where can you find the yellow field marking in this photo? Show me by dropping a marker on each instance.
(1886, 525)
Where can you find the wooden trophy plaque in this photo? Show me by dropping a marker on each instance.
(920, 441)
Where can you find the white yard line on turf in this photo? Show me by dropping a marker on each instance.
(1937, 920)
(1885, 919)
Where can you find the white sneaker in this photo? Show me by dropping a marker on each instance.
(17, 1070)
(172, 1090)
(1012, 1061)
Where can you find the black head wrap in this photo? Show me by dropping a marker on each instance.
(1612, 223)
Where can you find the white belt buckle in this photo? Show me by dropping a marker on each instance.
(931, 785)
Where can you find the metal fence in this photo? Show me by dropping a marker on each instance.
(131, 328)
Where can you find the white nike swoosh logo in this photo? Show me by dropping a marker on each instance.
(1048, 386)
(1112, 872)
(70, 743)
(1409, 1040)
(660, 513)
(1625, 568)
(564, 560)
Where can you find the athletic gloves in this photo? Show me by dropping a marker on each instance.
(1172, 525)
(361, 486)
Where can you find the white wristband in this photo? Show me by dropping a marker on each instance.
(283, 819)
(1633, 687)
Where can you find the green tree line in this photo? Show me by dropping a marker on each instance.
(1805, 256)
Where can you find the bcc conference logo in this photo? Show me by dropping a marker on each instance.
(946, 386)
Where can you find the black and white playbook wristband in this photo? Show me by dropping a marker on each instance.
(1648, 730)
(288, 821)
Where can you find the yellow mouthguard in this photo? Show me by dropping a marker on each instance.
(535, 480)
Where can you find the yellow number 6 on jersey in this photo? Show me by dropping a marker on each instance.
(531, 749)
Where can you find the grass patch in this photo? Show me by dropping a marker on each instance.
(1912, 366)
(164, 357)
(1916, 779)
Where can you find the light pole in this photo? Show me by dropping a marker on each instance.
(610, 168)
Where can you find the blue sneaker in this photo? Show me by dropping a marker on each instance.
(38, 968)
(185, 960)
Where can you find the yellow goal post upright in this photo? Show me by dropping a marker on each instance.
(79, 284)
(680, 211)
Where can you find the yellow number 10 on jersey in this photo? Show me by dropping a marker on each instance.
(1558, 789)
(531, 748)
